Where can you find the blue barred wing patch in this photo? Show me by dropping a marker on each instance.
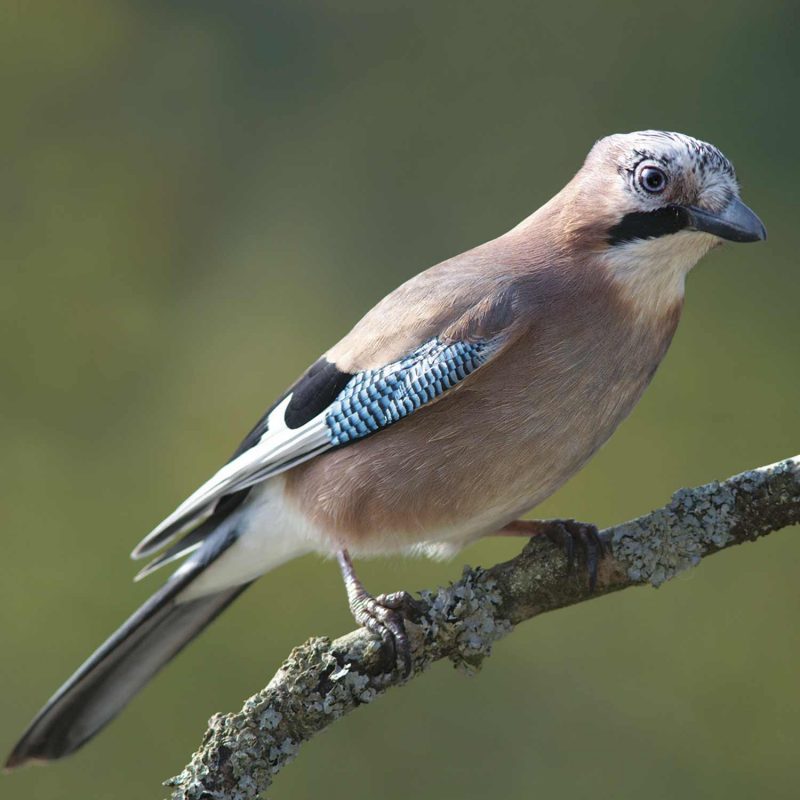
(376, 398)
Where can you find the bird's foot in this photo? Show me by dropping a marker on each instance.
(384, 615)
(569, 534)
(576, 536)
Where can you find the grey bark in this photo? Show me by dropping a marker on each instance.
(322, 680)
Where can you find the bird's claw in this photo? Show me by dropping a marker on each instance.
(384, 616)
(569, 534)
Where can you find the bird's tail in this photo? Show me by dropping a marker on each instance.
(121, 666)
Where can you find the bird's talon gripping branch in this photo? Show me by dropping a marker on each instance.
(382, 615)
(570, 535)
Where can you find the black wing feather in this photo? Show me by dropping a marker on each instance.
(311, 394)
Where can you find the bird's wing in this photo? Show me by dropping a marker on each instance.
(328, 407)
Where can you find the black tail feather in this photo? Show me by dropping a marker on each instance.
(119, 668)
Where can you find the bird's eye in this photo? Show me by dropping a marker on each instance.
(652, 180)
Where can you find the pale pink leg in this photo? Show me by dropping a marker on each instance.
(383, 615)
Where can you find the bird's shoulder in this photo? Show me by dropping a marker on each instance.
(478, 290)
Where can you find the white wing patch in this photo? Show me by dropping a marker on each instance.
(277, 450)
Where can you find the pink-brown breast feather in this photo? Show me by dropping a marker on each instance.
(515, 430)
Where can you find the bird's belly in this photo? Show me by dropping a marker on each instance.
(460, 468)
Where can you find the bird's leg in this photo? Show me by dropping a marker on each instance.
(381, 615)
(565, 533)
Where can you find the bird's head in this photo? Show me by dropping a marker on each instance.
(652, 203)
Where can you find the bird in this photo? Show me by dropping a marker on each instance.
(460, 402)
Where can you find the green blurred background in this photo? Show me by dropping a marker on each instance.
(198, 198)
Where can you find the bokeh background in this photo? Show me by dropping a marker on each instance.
(198, 198)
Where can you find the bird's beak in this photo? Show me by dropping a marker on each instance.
(736, 222)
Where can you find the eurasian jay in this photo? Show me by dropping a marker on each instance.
(460, 401)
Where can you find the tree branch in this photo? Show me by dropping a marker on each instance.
(322, 680)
